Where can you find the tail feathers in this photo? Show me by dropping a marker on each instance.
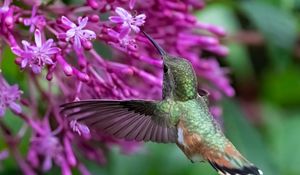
(231, 162)
(244, 170)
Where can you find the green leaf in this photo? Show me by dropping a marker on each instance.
(11, 71)
(282, 88)
(221, 15)
(278, 26)
(103, 49)
(247, 140)
(282, 126)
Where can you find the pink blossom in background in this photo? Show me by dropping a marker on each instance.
(127, 21)
(35, 21)
(77, 33)
(57, 48)
(9, 97)
(36, 57)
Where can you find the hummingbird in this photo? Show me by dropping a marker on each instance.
(181, 117)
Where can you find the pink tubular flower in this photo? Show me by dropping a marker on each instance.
(36, 57)
(77, 33)
(8, 97)
(127, 20)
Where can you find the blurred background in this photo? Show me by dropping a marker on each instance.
(263, 120)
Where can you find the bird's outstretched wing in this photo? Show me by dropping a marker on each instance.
(131, 120)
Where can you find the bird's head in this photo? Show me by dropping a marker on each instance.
(179, 75)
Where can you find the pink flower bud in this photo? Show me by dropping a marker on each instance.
(68, 70)
(87, 45)
(94, 18)
(93, 4)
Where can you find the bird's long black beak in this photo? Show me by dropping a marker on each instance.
(159, 49)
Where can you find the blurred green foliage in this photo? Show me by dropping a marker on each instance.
(268, 135)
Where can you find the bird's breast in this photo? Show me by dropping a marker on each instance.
(190, 143)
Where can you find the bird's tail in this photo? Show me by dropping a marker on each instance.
(231, 162)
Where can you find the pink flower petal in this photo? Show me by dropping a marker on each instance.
(2, 111)
(131, 4)
(113, 33)
(38, 38)
(27, 21)
(32, 27)
(116, 19)
(53, 50)
(5, 6)
(135, 29)
(47, 44)
(123, 13)
(124, 32)
(77, 42)
(48, 61)
(15, 107)
(140, 19)
(26, 44)
(47, 164)
(24, 63)
(36, 69)
(6, 3)
(79, 128)
(67, 22)
(14, 88)
(17, 51)
(70, 33)
(82, 23)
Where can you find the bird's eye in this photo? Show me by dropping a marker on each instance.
(165, 69)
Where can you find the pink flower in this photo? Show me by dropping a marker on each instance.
(34, 21)
(36, 57)
(8, 97)
(127, 20)
(81, 129)
(76, 32)
(124, 40)
(48, 146)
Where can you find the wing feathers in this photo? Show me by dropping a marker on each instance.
(142, 134)
(132, 120)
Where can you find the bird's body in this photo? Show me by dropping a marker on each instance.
(181, 117)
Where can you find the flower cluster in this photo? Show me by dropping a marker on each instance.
(94, 50)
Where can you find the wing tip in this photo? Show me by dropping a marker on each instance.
(245, 170)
